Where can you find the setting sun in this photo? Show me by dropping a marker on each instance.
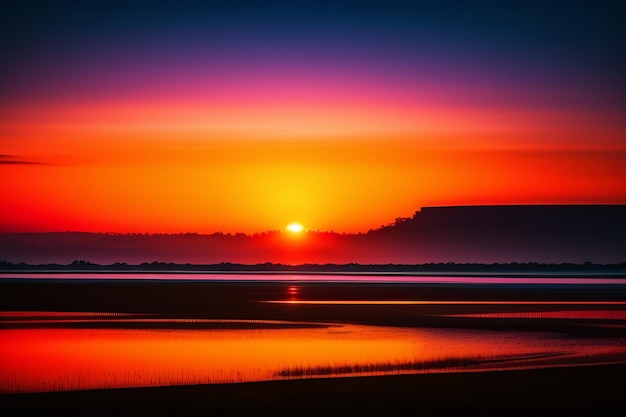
(295, 227)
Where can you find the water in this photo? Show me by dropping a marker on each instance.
(57, 359)
(238, 330)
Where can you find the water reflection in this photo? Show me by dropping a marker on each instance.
(53, 359)
(559, 314)
(62, 359)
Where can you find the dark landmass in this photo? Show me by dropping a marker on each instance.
(465, 234)
(516, 269)
(573, 391)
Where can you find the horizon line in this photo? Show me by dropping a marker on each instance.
(79, 262)
(308, 230)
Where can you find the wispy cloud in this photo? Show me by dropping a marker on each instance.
(17, 160)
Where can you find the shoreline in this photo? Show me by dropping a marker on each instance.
(579, 390)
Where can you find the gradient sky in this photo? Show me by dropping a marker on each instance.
(244, 116)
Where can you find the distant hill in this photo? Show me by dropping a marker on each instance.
(539, 233)
(459, 234)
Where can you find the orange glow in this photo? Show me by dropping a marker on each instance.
(198, 125)
(38, 360)
(168, 169)
(62, 359)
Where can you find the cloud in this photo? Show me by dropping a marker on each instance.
(15, 160)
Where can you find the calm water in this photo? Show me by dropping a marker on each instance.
(59, 350)
(53, 359)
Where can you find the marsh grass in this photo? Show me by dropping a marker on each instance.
(454, 364)
(81, 379)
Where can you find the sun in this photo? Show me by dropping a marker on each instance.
(295, 227)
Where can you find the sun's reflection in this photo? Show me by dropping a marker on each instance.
(292, 293)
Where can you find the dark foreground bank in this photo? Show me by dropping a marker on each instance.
(591, 391)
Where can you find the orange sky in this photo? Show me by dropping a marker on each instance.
(244, 119)
(132, 172)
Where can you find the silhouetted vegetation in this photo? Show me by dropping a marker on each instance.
(452, 364)
(268, 267)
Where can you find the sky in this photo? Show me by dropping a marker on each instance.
(241, 116)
